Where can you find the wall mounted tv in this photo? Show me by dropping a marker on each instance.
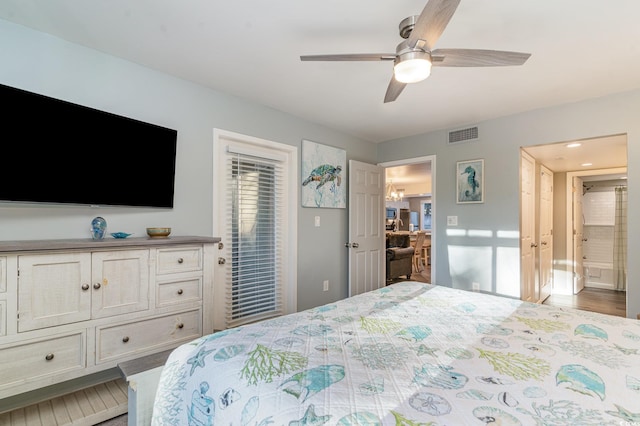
(58, 152)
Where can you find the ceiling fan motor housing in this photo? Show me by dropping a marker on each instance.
(404, 53)
(406, 26)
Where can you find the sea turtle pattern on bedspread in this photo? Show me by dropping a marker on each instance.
(410, 354)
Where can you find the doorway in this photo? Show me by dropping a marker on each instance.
(570, 162)
(412, 182)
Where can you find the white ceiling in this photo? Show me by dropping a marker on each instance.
(251, 48)
(591, 154)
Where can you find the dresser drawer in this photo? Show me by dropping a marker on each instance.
(174, 260)
(144, 335)
(36, 360)
(179, 291)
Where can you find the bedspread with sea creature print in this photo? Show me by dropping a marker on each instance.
(410, 354)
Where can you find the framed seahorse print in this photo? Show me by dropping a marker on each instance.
(470, 181)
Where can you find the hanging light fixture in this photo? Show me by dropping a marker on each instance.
(393, 194)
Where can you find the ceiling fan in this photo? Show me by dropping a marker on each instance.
(415, 56)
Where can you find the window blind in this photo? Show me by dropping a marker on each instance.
(254, 279)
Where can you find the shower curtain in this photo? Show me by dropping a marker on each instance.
(620, 240)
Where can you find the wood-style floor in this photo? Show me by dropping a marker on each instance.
(593, 299)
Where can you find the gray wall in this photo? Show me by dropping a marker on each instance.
(43, 64)
(500, 142)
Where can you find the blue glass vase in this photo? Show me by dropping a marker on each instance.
(98, 228)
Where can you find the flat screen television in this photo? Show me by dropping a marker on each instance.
(58, 152)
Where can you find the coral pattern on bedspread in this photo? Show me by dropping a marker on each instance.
(410, 354)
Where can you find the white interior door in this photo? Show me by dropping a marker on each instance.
(578, 235)
(366, 227)
(546, 233)
(527, 227)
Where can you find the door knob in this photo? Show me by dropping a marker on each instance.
(533, 245)
(355, 245)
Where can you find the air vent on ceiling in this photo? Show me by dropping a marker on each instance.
(469, 134)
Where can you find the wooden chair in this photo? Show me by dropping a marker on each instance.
(417, 252)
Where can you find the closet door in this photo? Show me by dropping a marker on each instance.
(527, 228)
(545, 248)
(578, 236)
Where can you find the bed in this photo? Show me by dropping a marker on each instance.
(410, 354)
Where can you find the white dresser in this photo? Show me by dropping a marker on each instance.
(69, 308)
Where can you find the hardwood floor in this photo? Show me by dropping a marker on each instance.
(593, 299)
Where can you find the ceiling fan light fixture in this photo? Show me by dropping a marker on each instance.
(412, 67)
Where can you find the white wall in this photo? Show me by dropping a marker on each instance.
(484, 243)
(43, 64)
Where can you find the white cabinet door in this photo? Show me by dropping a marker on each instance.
(120, 282)
(53, 289)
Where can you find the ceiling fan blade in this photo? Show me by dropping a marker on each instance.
(431, 23)
(351, 57)
(393, 90)
(476, 58)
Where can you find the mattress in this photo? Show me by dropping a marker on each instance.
(410, 354)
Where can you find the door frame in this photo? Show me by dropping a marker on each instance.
(261, 148)
(417, 160)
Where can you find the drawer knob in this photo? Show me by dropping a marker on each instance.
(181, 326)
(85, 286)
(125, 339)
(96, 286)
(180, 260)
(180, 291)
(49, 357)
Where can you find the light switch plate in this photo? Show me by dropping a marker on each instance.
(452, 220)
(317, 221)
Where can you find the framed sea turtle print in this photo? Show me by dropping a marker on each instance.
(470, 181)
(323, 170)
